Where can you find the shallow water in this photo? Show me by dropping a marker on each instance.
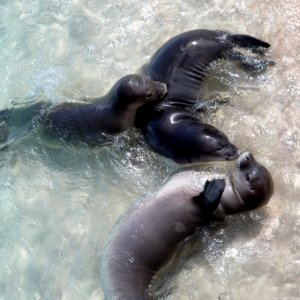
(59, 202)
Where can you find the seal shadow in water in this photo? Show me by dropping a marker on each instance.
(172, 127)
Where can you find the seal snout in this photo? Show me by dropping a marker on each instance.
(162, 88)
(245, 160)
(232, 153)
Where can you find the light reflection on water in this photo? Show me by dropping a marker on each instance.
(59, 202)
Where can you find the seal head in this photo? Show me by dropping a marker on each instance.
(215, 145)
(138, 89)
(178, 135)
(252, 184)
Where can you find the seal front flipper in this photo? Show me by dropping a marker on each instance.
(209, 199)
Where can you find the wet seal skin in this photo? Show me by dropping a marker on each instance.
(110, 114)
(172, 127)
(89, 122)
(145, 239)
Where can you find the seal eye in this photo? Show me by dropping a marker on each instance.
(248, 178)
(149, 95)
(249, 157)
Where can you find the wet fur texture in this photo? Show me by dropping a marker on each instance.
(171, 127)
(145, 239)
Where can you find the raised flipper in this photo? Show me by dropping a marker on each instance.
(249, 42)
(209, 199)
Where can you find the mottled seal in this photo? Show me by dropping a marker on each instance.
(110, 114)
(171, 127)
(146, 238)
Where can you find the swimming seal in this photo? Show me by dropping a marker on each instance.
(144, 241)
(89, 122)
(110, 114)
(172, 127)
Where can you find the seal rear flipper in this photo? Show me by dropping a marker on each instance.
(19, 120)
(249, 42)
(248, 62)
(209, 199)
(4, 130)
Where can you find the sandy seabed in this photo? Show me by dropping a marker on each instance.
(59, 203)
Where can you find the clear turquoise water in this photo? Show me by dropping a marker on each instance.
(59, 203)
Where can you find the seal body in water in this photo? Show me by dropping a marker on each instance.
(110, 114)
(145, 239)
(172, 127)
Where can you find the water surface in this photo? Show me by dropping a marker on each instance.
(59, 202)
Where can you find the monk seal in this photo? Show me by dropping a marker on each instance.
(89, 122)
(172, 127)
(146, 238)
(110, 114)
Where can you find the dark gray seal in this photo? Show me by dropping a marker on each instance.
(110, 114)
(145, 239)
(172, 127)
(89, 122)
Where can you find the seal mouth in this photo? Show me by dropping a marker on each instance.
(244, 160)
(233, 156)
(162, 88)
